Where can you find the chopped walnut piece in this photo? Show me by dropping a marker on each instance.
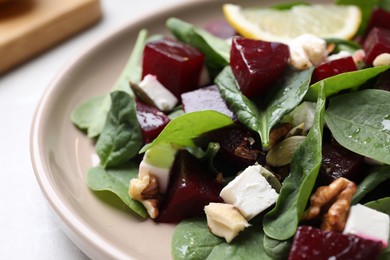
(146, 190)
(337, 199)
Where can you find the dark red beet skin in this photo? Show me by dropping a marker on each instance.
(332, 68)
(379, 18)
(383, 81)
(191, 187)
(151, 120)
(377, 42)
(312, 243)
(257, 64)
(207, 98)
(176, 65)
(339, 162)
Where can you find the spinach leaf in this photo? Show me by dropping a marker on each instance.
(193, 240)
(183, 129)
(343, 45)
(121, 137)
(344, 81)
(287, 6)
(382, 205)
(216, 50)
(385, 5)
(360, 121)
(365, 6)
(277, 249)
(376, 177)
(290, 92)
(116, 180)
(91, 114)
(282, 221)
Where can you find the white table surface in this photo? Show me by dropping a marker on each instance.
(28, 227)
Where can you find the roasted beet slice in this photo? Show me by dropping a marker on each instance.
(379, 18)
(238, 148)
(377, 42)
(220, 28)
(191, 187)
(207, 98)
(332, 68)
(151, 120)
(176, 65)
(312, 243)
(339, 162)
(257, 64)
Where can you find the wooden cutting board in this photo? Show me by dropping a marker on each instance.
(29, 27)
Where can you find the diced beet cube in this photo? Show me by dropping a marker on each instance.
(383, 81)
(207, 98)
(339, 162)
(151, 120)
(191, 187)
(379, 18)
(176, 65)
(238, 148)
(332, 68)
(220, 28)
(257, 64)
(312, 243)
(377, 42)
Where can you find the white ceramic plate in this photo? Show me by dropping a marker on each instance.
(62, 155)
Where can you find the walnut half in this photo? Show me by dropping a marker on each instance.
(337, 199)
(146, 190)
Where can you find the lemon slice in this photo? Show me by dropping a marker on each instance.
(325, 21)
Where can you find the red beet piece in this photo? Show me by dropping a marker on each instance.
(332, 68)
(220, 28)
(151, 120)
(379, 18)
(312, 243)
(191, 187)
(176, 65)
(257, 64)
(377, 42)
(339, 162)
(207, 98)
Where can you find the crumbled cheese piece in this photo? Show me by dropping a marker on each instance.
(339, 55)
(162, 98)
(368, 224)
(306, 51)
(162, 174)
(382, 59)
(249, 192)
(224, 220)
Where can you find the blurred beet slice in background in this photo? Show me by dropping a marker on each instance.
(377, 42)
(257, 64)
(176, 65)
(207, 98)
(339, 162)
(220, 28)
(332, 68)
(191, 187)
(312, 243)
(151, 120)
(379, 18)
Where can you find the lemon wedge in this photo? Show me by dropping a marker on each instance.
(325, 21)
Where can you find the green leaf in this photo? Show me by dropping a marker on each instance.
(121, 138)
(290, 92)
(282, 221)
(385, 5)
(360, 121)
(183, 129)
(365, 6)
(288, 5)
(216, 50)
(91, 114)
(193, 240)
(372, 180)
(344, 81)
(277, 249)
(343, 45)
(116, 180)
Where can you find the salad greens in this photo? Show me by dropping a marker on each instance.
(358, 119)
(282, 221)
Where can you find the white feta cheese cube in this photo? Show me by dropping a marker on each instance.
(162, 98)
(249, 192)
(368, 223)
